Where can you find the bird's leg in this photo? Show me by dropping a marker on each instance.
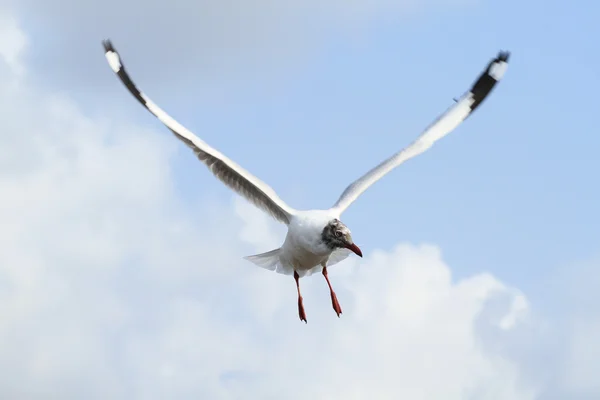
(301, 312)
(334, 300)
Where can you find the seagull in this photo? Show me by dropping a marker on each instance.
(316, 239)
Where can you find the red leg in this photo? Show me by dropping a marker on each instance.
(301, 312)
(334, 300)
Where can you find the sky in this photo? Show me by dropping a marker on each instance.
(121, 270)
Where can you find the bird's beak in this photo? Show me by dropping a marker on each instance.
(355, 249)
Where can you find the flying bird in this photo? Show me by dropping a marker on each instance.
(316, 239)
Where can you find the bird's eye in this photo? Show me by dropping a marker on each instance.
(338, 233)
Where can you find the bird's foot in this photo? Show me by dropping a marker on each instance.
(301, 312)
(335, 304)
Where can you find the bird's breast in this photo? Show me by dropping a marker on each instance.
(303, 248)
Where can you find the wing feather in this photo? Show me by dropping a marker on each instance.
(226, 170)
(444, 124)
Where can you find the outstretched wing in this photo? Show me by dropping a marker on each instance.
(227, 171)
(444, 124)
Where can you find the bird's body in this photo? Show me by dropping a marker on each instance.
(304, 248)
(316, 239)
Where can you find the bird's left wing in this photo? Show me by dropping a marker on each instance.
(225, 169)
(443, 125)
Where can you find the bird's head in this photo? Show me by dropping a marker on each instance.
(337, 235)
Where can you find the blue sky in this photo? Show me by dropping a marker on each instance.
(133, 268)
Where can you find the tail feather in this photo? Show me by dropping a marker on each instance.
(268, 260)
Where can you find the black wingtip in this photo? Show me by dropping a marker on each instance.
(108, 46)
(503, 56)
(488, 79)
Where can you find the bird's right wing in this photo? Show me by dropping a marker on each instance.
(227, 171)
(443, 125)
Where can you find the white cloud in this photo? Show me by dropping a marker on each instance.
(583, 360)
(112, 286)
(12, 42)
